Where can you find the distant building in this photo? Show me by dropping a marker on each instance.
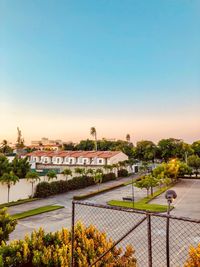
(46, 144)
(75, 158)
(46, 141)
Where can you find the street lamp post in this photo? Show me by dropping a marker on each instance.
(170, 195)
(133, 192)
(133, 197)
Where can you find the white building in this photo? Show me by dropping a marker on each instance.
(76, 158)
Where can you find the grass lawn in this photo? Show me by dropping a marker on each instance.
(138, 206)
(37, 211)
(143, 204)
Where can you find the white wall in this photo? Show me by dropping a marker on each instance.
(119, 157)
(22, 189)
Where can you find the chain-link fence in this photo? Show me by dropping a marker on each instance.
(158, 240)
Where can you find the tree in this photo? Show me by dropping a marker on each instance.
(93, 132)
(98, 176)
(20, 140)
(143, 183)
(54, 249)
(5, 148)
(152, 181)
(85, 145)
(80, 171)
(51, 174)
(4, 165)
(122, 164)
(20, 166)
(145, 150)
(184, 169)
(128, 138)
(67, 172)
(68, 146)
(193, 257)
(90, 171)
(196, 147)
(9, 179)
(194, 162)
(173, 148)
(32, 177)
(172, 169)
(7, 225)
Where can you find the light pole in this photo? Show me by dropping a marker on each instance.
(170, 195)
(132, 187)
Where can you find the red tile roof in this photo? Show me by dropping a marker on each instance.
(75, 154)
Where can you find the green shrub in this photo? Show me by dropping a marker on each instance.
(108, 177)
(45, 189)
(122, 173)
(54, 249)
(7, 225)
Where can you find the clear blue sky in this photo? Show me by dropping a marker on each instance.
(122, 66)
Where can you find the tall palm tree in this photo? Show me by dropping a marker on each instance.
(93, 132)
(9, 179)
(98, 176)
(51, 174)
(128, 138)
(67, 173)
(32, 177)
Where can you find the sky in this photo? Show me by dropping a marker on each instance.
(129, 66)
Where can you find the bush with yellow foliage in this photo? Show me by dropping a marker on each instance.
(194, 257)
(54, 249)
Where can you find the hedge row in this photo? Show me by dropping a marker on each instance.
(81, 197)
(122, 173)
(45, 189)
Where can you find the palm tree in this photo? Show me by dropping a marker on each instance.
(67, 173)
(80, 171)
(98, 176)
(128, 138)
(32, 177)
(106, 168)
(122, 164)
(9, 179)
(51, 174)
(110, 168)
(90, 171)
(93, 132)
(5, 148)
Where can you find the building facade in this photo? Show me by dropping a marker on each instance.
(76, 158)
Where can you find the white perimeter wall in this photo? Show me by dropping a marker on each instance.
(22, 189)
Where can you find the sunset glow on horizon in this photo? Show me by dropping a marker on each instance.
(118, 66)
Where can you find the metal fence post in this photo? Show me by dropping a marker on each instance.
(149, 239)
(167, 242)
(72, 234)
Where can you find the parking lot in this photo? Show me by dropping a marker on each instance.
(187, 204)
